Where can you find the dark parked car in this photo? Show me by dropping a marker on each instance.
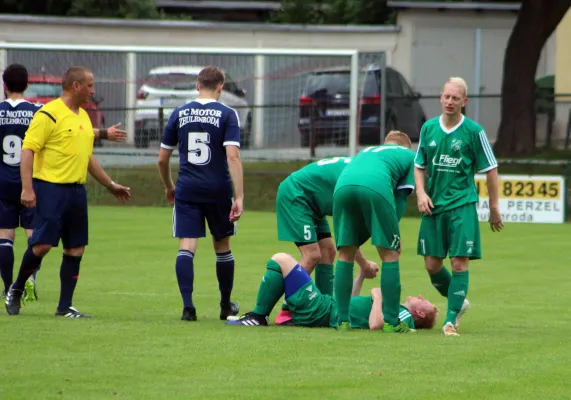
(326, 94)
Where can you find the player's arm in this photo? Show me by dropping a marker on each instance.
(36, 136)
(113, 133)
(369, 269)
(376, 317)
(486, 163)
(169, 142)
(358, 284)
(164, 167)
(492, 181)
(98, 173)
(404, 189)
(232, 145)
(236, 171)
(423, 201)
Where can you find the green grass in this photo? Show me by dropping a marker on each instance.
(514, 343)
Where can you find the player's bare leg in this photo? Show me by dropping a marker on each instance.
(225, 275)
(185, 276)
(391, 290)
(457, 292)
(343, 282)
(310, 255)
(7, 258)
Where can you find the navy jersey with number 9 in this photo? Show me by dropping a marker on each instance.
(201, 129)
(15, 117)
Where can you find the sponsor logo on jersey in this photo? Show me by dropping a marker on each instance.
(447, 161)
(432, 144)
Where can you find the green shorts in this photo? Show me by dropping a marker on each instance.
(312, 309)
(360, 213)
(297, 222)
(455, 232)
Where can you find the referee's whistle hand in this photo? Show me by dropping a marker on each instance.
(28, 198)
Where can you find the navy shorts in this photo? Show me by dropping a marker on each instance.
(13, 214)
(61, 213)
(188, 219)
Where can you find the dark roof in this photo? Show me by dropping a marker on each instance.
(439, 5)
(219, 5)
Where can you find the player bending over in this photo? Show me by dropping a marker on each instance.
(16, 113)
(369, 201)
(207, 134)
(451, 148)
(303, 202)
(311, 308)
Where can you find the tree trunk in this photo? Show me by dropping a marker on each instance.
(537, 19)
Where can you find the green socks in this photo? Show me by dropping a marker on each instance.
(324, 278)
(441, 281)
(271, 289)
(456, 295)
(391, 290)
(343, 283)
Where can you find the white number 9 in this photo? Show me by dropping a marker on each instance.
(12, 149)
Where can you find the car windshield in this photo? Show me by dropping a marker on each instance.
(331, 82)
(43, 90)
(173, 81)
(338, 82)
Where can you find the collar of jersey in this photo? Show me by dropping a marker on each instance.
(14, 103)
(454, 128)
(205, 101)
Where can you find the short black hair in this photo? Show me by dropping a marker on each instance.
(15, 77)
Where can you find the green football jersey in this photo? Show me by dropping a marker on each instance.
(383, 168)
(361, 307)
(318, 180)
(451, 157)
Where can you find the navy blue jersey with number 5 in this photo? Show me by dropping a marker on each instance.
(201, 129)
(15, 117)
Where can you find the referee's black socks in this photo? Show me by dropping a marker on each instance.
(68, 273)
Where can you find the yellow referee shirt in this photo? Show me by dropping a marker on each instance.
(62, 142)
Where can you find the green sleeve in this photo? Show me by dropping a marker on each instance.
(485, 158)
(401, 198)
(420, 158)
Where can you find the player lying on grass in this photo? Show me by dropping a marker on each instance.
(303, 202)
(310, 308)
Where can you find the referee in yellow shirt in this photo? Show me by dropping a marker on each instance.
(57, 153)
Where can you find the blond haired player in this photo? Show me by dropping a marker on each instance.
(452, 148)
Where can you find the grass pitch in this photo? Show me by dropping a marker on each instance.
(514, 343)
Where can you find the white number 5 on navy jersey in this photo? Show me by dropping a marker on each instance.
(12, 149)
(198, 150)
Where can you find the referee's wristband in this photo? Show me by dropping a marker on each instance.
(110, 185)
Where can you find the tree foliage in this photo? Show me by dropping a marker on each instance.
(370, 12)
(130, 9)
